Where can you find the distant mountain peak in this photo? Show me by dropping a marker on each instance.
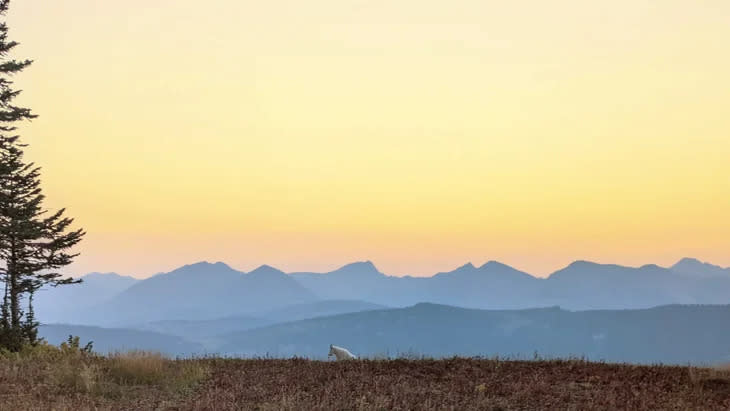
(494, 264)
(587, 265)
(467, 266)
(360, 267)
(361, 264)
(688, 260)
(502, 269)
(199, 268)
(582, 263)
(695, 267)
(577, 267)
(423, 305)
(266, 270)
(204, 264)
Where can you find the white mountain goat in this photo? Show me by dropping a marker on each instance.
(341, 353)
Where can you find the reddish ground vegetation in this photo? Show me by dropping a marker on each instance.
(458, 384)
(69, 379)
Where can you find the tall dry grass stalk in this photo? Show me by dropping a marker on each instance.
(138, 368)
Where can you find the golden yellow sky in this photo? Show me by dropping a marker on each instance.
(419, 134)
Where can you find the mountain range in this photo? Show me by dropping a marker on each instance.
(206, 291)
(671, 334)
(600, 311)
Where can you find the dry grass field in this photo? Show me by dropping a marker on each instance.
(458, 384)
(73, 380)
(46, 377)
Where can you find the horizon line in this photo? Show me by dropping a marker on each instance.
(368, 261)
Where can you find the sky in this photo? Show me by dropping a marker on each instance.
(417, 134)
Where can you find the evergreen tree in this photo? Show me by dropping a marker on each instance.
(34, 244)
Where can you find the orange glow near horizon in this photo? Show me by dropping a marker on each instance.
(420, 135)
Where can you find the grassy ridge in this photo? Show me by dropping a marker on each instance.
(47, 377)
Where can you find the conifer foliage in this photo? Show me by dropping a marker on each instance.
(34, 244)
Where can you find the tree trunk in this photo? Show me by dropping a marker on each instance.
(15, 313)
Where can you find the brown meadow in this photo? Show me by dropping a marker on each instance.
(54, 379)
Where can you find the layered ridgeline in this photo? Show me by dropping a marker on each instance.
(668, 334)
(197, 292)
(674, 334)
(206, 291)
(212, 308)
(581, 285)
